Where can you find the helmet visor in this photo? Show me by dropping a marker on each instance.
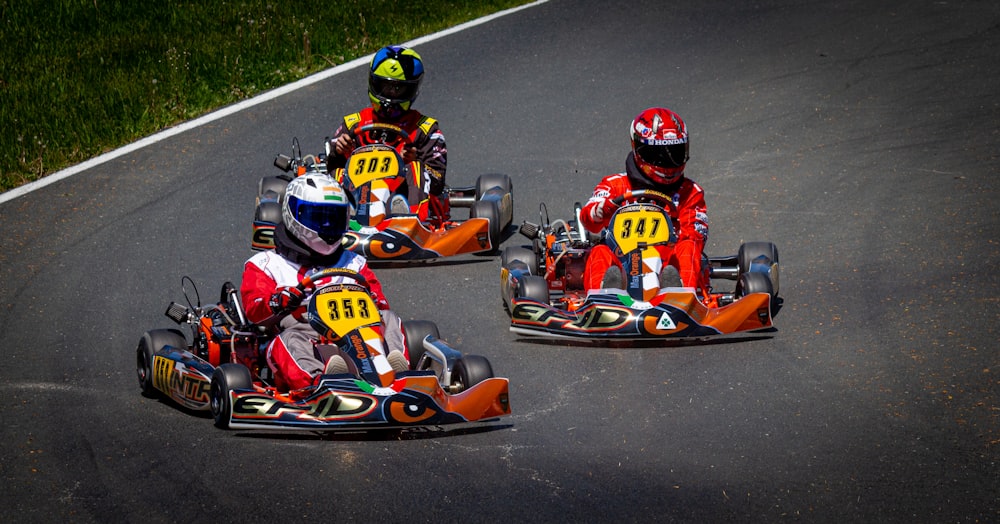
(673, 155)
(394, 90)
(328, 219)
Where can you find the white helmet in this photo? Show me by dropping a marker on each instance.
(315, 210)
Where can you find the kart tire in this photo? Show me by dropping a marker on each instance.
(486, 182)
(226, 378)
(753, 282)
(489, 210)
(753, 251)
(415, 331)
(468, 371)
(271, 184)
(533, 287)
(151, 342)
(513, 257)
(268, 212)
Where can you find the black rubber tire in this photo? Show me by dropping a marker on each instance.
(272, 184)
(751, 251)
(489, 210)
(468, 371)
(753, 282)
(415, 331)
(268, 212)
(226, 378)
(534, 287)
(512, 255)
(151, 342)
(488, 181)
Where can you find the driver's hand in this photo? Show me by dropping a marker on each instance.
(602, 209)
(344, 144)
(409, 154)
(285, 299)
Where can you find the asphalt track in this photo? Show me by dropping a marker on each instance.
(860, 137)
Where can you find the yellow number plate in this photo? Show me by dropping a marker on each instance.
(365, 166)
(642, 224)
(344, 311)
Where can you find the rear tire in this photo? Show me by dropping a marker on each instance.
(271, 184)
(151, 342)
(468, 371)
(486, 182)
(415, 332)
(226, 378)
(514, 256)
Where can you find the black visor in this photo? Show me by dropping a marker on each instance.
(393, 90)
(674, 155)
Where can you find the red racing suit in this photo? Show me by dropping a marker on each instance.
(691, 225)
(290, 355)
(425, 135)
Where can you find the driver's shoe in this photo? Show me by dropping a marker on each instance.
(613, 278)
(335, 366)
(397, 361)
(398, 205)
(670, 277)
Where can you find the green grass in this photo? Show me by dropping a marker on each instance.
(79, 78)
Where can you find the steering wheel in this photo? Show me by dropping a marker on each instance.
(656, 197)
(381, 133)
(309, 282)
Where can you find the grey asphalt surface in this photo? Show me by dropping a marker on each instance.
(860, 137)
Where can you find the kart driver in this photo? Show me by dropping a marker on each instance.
(394, 77)
(315, 214)
(659, 153)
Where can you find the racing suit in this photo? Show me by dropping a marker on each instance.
(425, 135)
(691, 225)
(291, 355)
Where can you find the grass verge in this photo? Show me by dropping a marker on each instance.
(79, 78)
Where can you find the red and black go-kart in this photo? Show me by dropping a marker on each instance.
(393, 220)
(223, 368)
(543, 289)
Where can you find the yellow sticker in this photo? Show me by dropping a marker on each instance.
(641, 224)
(346, 310)
(367, 165)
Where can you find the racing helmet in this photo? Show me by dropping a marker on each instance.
(315, 211)
(394, 80)
(660, 145)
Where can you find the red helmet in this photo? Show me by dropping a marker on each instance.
(660, 143)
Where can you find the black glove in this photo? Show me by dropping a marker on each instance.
(285, 299)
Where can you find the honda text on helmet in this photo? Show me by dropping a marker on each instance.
(316, 211)
(660, 143)
(394, 80)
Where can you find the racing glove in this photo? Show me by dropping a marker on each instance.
(602, 209)
(285, 299)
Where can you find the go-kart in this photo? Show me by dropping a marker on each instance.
(543, 287)
(223, 369)
(393, 219)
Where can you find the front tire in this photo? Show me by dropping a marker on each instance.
(468, 371)
(151, 342)
(489, 210)
(415, 332)
(226, 378)
(760, 257)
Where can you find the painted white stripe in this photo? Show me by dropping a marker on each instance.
(250, 102)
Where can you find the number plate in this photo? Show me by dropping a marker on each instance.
(343, 309)
(640, 223)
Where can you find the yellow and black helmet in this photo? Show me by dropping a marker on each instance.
(394, 80)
